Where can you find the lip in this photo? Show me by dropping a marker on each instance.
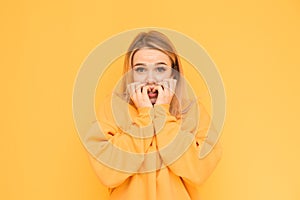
(152, 94)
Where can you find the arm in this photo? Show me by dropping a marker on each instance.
(180, 142)
(114, 154)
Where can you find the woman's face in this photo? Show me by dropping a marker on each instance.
(150, 67)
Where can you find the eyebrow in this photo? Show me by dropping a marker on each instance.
(143, 64)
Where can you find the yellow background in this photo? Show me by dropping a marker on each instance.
(255, 45)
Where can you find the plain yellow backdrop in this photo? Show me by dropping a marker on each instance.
(255, 45)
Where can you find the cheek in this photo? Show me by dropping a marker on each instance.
(138, 77)
(163, 76)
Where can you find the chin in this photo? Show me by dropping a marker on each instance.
(153, 101)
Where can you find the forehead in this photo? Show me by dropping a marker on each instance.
(150, 56)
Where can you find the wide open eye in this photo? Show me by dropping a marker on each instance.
(140, 69)
(161, 69)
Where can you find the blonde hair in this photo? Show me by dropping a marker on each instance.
(158, 41)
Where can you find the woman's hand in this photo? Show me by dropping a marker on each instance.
(139, 94)
(166, 91)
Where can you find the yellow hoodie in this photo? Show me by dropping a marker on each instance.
(147, 153)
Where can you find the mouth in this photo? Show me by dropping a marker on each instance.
(152, 93)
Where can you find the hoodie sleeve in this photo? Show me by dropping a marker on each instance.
(116, 149)
(180, 141)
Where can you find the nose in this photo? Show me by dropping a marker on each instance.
(150, 79)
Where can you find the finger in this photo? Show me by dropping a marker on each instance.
(145, 92)
(138, 89)
(132, 85)
(168, 79)
(165, 85)
(172, 84)
(128, 90)
(159, 89)
(134, 96)
(132, 88)
(160, 84)
(142, 85)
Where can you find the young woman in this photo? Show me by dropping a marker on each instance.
(152, 128)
